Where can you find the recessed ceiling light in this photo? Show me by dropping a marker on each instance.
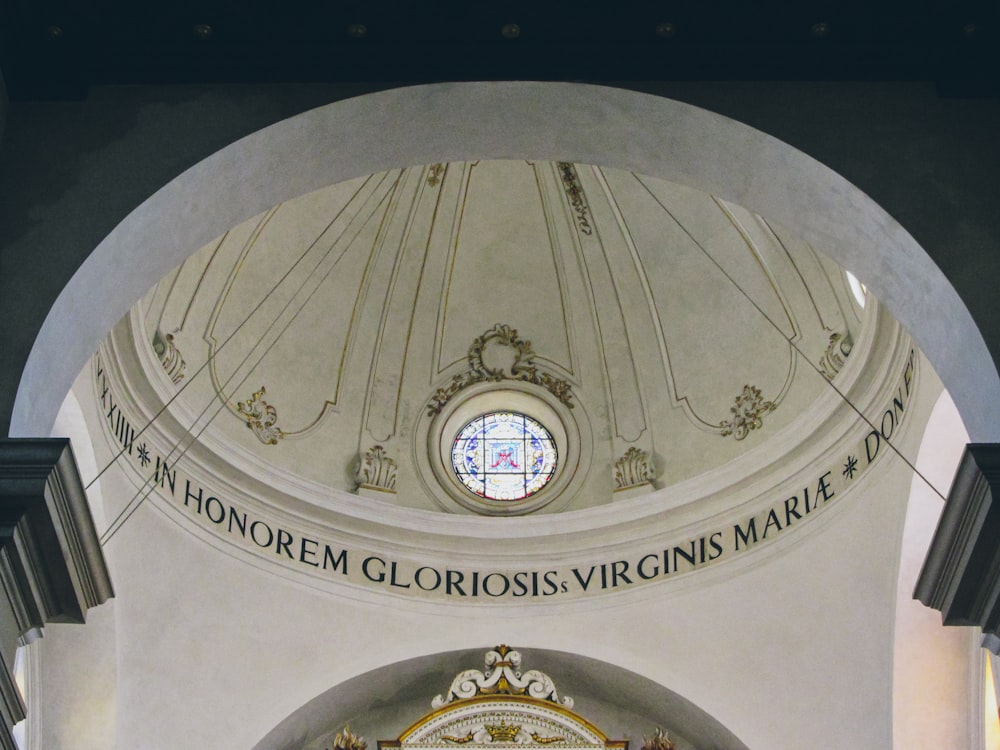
(820, 29)
(510, 31)
(665, 30)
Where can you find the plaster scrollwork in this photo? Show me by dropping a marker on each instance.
(434, 173)
(836, 354)
(520, 367)
(633, 469)
(659, 741)
(261, 418)
(501, 677)
(747, 413)
(347, 740)
(170, 356)
(377, 470)
(577, 200)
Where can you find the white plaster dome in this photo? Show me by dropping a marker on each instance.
(686, 355)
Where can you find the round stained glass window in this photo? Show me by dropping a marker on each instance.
(504, 456)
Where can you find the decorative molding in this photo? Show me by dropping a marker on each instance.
(170, 356)
(961, 573)
(836, 354)
(546, 740)
(633, 469)
(659, 741)
(52, 568)
(377, 470)
(434, 174)
(748, 413)
(574, 192)
(521, 368)
(347, 740)
(502, 732)
(261, 418)
(501, 677)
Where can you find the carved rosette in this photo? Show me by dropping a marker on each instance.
(836, 354)
(577, 200)
(261, 418)
(633, 469)
(170, 356)
(748, 413)
(377, 470)
(501, 677)
(522, 368)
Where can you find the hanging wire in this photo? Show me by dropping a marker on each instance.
(841, 394)
(150, 483)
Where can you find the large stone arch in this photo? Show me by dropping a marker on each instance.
(464, 121)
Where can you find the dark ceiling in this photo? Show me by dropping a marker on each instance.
(57, 48)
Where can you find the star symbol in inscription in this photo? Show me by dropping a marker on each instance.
(851, 467)
(143, 455)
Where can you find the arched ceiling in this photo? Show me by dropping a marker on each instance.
(662, 320)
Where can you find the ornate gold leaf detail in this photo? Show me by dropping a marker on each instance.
(836, 354)
(522, 368)
(503, 732)
(658, 741)
(546, 740)
(347, 740)
(458, 740)
(748, 412)
(574, 191)
(377, 470)
(261, 418)
(633, 469)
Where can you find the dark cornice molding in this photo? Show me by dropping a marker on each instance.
(961, 573)
(52, 568)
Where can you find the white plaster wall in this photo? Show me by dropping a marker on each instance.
(936, 669)
(791, 654)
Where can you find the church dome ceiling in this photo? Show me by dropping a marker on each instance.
(321, 358)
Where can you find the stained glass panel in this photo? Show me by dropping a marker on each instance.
(504, 456)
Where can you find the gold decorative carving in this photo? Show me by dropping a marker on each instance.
(377, 470)
(748, 412)
(503, 732)
(658, 741)
(501, 677)
(574, 191)
(434, 173)
(458, 740)
(836, 354)
(633, 469)
(261, 418)
(170, 356)
(520, 367)
(347, 740)
(546, 740)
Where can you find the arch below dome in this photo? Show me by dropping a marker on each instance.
(394, 696)
(574, 122)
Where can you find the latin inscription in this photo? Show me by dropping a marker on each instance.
(294, 548)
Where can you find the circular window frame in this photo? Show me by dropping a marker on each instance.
(519, 481)
(510, 396)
